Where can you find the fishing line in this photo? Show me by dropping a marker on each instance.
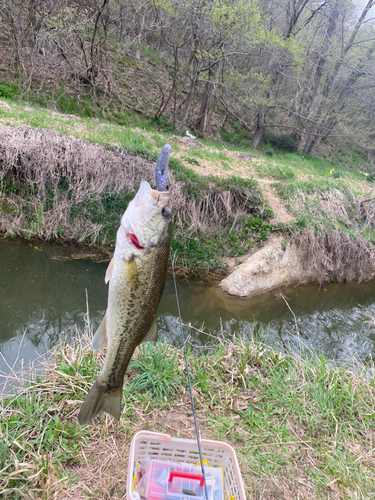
(188, 377)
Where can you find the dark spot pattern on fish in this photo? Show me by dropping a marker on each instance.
(136, 308)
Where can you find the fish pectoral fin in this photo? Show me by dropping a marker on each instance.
(132, 273)
(152, 335)
(108, 274)
(100, 338)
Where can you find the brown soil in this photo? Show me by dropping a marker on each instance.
(242, 166)
(281, 213)
(4, 105)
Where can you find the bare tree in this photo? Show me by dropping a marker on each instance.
(337, 86)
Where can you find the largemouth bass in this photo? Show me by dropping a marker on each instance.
(136, 277)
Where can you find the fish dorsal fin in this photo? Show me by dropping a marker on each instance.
(152, 335)
(100, 338)
(132, 273)
(108, 274)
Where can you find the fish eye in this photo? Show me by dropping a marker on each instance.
(165, 212)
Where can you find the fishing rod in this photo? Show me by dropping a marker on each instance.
(188, 377)
(161, 174)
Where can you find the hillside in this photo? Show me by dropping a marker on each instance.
(291, 74)
(229, 202)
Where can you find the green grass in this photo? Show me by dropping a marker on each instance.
(158, 367)
(295, 420)
(9, 90)
(217, 157)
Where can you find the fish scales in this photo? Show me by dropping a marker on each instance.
(124, 317)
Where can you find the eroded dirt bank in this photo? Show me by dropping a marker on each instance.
(284, 262)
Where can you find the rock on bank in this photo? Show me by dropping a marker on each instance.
(281, 263)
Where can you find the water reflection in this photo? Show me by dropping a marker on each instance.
(43, 296)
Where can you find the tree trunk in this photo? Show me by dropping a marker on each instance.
(323, 133)
(315, 79)
(163, 107)
(92, 70)
(260, 127)
(139, 40)
(201, 122)
(326, 111)
(294, 11)
(310, 136)
(190, 96)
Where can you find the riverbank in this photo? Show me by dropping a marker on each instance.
(72, 179)
(300, 428)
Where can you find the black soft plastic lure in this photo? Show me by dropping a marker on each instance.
(161, 171)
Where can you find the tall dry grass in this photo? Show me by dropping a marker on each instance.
(44, 174)
(338, 241)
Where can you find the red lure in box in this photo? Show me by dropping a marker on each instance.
(179, 481)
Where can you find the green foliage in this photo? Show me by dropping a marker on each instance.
(279, 172)
(271, 406)
(145, 153)
(128, 119)
(9, 90)
(258, 229)
(195, 186)
(8, 185)
(199, 251)
(289, 189)
(158, 370)
(285, 142)
(219, 158)
(85, 106)
(335, 173)
(164, 123)
(302, 180)
(8, 208)
(235, 133)
(50, 436)
(150, 52)
(204, 251)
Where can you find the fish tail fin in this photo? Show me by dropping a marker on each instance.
(97, 401)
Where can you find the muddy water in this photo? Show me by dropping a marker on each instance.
(43, 296)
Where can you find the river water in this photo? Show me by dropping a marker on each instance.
(43, 297)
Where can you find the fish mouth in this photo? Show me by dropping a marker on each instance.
(134, 240)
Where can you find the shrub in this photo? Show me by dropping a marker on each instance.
(285, 142)
(9, 90)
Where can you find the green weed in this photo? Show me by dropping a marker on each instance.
(158, 370)
(9, 90)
